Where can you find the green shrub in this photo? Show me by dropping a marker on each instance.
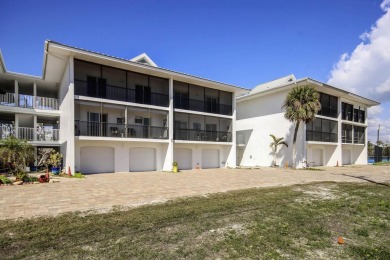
(5, 180)
(79, 175)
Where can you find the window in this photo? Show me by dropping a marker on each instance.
(362, 116)
(322, 130)
(359, 135)
(96, 87)
(196, 126)
(347, 111)
(138, 120)
(346, 133)
(328, 105)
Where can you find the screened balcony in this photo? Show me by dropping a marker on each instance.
(201, 99)
(107, 120)
(202, 128)
(94, 80)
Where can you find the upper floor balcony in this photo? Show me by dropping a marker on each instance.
(95, 80)
(28, 101)
(202, 99)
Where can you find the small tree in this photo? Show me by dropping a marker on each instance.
(16, 153)
(301, 106)
(274, 145)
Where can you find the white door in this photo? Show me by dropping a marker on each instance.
(346, 157)
(97, 159)
(317, 156)
(210, 158)
(183, 157)
(142, 159)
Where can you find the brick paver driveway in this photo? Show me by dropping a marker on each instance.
(99, 192)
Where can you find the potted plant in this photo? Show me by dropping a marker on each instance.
(175, 166)
(55, 160)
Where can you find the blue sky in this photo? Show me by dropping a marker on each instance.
(238, 42)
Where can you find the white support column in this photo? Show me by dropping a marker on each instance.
(16, 125)
(35, 127)
(35, 94)
(339, 148)
(169, 155)
(16, 91)
(232, 157)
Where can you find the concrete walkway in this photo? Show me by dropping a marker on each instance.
(100, 192)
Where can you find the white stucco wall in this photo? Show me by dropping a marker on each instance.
(257, 119)
(66, 101)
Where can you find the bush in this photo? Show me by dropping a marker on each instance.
(5, 180)
(79, 175)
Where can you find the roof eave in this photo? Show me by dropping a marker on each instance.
(140, 65)
(2, 63)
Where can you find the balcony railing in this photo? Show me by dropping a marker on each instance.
(321, 137)
(203, 106)
(27, 101)
(84, 128)
(28, 133)
(346, 139)
(202, 135)
(121, 94)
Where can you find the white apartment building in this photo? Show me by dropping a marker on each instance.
(108, 114)
(337, 136)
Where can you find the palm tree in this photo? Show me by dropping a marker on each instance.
(275, 145)
(301, 106)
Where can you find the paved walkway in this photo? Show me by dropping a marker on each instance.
(100, 192)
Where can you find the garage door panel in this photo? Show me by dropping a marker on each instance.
(142, 159)
(210, 158)
(183, 157)
(97, 159)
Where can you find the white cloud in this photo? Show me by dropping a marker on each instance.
(385, 5)
(374, 111)
(366, 70)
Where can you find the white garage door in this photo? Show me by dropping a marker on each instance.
(183, 157)
(317, 157)
(97, 159)
(210, 158)
(142, 159)
(346, 156)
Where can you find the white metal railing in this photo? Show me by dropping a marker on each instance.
(6, 130)
(28, 101)
(26, 133)
(7, 99)
(48, 134)
(46, 103)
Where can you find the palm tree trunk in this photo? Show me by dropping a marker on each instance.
(294, 141)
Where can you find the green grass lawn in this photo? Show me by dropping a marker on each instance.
(301, 221)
